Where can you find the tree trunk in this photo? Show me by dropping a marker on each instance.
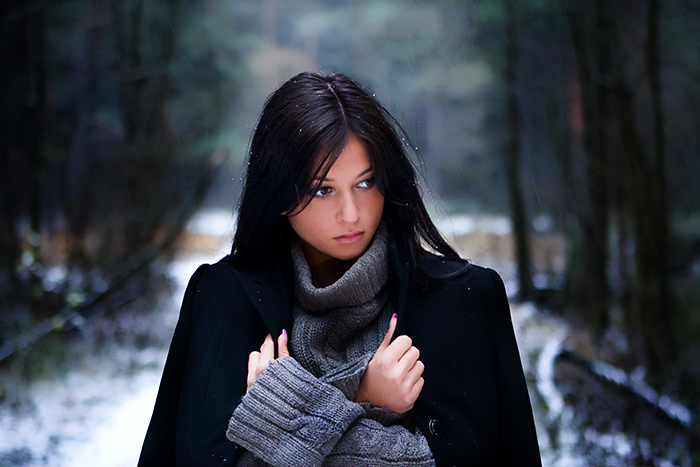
(21, 157)
(589, 260)
(144, 52)
(653, 270)
(35, 31)
(513, 157)
(598, 170)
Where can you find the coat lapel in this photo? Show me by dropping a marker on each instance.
(399, 276)
(270, 288)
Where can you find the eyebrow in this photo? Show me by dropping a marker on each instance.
(366, 171)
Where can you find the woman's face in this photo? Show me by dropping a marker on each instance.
(344, 212)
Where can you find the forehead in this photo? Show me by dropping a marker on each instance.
(352, 161)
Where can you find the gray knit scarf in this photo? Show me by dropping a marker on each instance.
(337, 329)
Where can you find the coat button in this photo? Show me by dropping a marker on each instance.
(435, 427)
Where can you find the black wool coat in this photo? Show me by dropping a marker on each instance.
(474, 408)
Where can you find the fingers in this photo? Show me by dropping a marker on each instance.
(416, 372)
(413, 384)
(394, 376)
(408, 363)
(417, 388)
(259, 360)
(267, 351)
(252, 368)
(282, 344)
(409, 359)
(389, 334)
(398, 348)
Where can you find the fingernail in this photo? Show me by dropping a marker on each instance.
(284, 331)
(394, 316)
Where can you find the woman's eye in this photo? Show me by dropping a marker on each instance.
(322, 191)
(369, 183)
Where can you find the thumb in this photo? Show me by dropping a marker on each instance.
(389, 334)
(282, 344)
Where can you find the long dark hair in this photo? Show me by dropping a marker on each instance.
(314, 115)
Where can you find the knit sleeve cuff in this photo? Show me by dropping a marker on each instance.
(289, 417)
(347, 377)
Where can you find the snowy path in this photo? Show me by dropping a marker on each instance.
(88, 417)
(98, 414)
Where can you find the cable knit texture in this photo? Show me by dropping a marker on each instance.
(300, 411)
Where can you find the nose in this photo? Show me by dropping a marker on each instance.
(349, 209)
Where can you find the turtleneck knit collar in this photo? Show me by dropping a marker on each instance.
(361, 283)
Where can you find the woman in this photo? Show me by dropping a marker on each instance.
(328, 267)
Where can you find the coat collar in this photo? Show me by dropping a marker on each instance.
(270, 288)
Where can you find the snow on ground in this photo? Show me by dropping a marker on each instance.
(462, 224)
(89, 416)
(98, 413)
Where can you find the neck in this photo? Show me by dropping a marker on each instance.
(327, 272)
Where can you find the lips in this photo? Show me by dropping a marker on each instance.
(350, 237)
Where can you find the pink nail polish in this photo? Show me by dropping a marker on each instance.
(394, 316)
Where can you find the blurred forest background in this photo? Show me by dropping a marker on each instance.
(580, 121)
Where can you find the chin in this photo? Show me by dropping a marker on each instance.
(346, 257)
(350, 255)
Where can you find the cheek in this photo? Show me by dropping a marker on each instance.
(307, 223)
(377, 205)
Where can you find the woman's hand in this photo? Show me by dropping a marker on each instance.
(393, 376)
(258, 361)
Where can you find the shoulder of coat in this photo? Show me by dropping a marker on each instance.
(455, 275)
